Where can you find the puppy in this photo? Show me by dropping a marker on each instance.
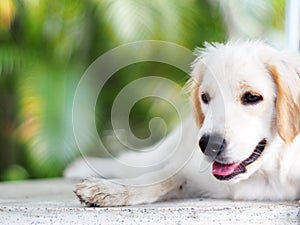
(242, 143)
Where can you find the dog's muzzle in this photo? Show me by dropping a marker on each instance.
(213, 145)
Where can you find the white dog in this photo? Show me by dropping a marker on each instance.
(243, 144)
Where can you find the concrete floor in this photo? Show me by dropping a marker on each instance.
(53, 202)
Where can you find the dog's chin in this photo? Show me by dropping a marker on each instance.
(238, 171)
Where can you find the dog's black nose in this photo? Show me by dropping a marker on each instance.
(212, 145)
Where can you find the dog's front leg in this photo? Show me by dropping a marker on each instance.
(101, 192)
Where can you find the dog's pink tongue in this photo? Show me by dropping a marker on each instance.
(224, 169)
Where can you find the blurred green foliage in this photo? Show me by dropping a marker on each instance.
(45, 47)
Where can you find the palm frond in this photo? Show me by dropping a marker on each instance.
(132, 20)
(11, 59)
(251, 19)
(47, 119)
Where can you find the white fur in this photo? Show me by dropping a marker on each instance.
(225, 71)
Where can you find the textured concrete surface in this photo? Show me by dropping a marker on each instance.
(53, 202)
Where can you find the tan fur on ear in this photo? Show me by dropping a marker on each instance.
(288, 111)
(196, 103)
(194, 83)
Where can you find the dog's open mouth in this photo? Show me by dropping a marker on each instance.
(228, 171)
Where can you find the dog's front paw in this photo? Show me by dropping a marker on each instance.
(100, 192)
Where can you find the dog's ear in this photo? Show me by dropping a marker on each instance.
(199, 116)
(285, 73)
(194, 83)
(198, 69)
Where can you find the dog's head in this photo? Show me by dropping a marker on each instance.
(245, 95)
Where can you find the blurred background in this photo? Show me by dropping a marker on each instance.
(45, 47)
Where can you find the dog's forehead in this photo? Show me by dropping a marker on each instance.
(234, 69)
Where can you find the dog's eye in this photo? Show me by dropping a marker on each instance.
(250, 98)
(205, 98)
